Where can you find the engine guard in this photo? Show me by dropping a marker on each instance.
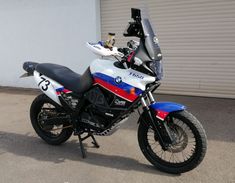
(162, 109)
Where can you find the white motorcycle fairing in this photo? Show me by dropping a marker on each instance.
(99, 50)
(125, 83)
(50, 87)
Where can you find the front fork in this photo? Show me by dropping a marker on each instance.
(159, 127)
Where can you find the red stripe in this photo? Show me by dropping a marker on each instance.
(116, 90)
(161, 114)
(130, 56)
(66, 91)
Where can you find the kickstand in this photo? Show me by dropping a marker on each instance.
(94, 141)
(81, 139)
(82, 146)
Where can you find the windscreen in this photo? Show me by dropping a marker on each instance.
(151, 41)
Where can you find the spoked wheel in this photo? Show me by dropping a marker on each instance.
(185, 153)
(44, 108)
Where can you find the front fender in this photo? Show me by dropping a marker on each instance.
(162, 109)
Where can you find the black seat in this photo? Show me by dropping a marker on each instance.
(66, 77)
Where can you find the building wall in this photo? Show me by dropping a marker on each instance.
(197, 39)
(46, 31)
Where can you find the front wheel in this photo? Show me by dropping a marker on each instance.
(189, 147)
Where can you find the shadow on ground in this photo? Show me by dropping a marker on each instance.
(29, 146)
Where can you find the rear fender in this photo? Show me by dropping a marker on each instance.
(48, 86)
(163, 109)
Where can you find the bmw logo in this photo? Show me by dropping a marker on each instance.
(118, 80)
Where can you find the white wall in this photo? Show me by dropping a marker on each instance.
(46, 31)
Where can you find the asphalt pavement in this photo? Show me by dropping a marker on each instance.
(25, 158)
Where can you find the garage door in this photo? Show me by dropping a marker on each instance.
(197, 39)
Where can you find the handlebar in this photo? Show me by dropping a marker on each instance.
(121, 54)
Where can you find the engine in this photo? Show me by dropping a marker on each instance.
(94, 118)
(102, 108)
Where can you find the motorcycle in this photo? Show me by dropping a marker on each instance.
(113, 87)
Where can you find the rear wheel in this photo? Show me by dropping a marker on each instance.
(188, 149)
(44, 108)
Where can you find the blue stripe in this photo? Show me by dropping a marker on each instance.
(60, 89)
(167, 106)
(122, 85)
